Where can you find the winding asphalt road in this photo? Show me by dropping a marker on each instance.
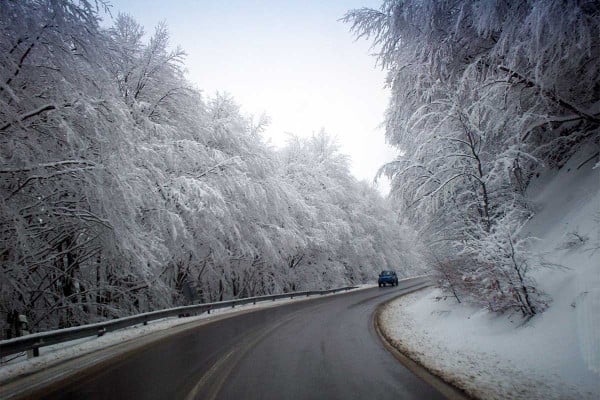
(324, 348)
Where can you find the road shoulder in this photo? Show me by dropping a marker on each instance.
(396, 349)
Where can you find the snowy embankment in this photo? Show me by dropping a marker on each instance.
(555, 355)
(14, 366)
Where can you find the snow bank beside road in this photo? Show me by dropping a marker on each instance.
(555, 355)
(489, 357)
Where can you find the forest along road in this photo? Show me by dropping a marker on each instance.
(325, 348)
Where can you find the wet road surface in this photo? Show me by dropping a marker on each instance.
(325, 348)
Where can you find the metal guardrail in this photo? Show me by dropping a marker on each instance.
(37, 340)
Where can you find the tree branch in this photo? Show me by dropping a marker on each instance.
(32, 113)
(531, 83)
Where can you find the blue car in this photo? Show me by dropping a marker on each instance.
(388, 277)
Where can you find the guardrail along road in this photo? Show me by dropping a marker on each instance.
(325, 348)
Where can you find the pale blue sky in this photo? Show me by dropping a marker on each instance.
(290, 59)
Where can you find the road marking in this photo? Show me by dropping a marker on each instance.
(213, 380)
(36, 381)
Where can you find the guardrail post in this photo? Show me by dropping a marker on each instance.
(22, 328)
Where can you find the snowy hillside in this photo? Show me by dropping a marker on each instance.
(552, 355)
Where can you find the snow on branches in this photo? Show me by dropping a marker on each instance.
(483, 92)
(123, 190)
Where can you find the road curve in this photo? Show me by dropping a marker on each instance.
(325, 348)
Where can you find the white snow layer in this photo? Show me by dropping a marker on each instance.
(555, 355)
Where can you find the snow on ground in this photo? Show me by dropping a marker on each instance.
(12, 366)
(555, 355)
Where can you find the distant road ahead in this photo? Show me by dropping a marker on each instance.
(317, 349)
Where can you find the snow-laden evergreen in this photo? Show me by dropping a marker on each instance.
(123, 189)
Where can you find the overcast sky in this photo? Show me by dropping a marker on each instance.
(290, 59)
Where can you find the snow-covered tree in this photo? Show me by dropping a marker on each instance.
(483, 92)
(348, 226)
(123, 189)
